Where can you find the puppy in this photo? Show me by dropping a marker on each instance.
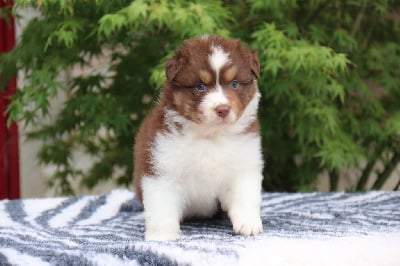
(199, 147)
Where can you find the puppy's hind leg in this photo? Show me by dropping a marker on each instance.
(163, 207)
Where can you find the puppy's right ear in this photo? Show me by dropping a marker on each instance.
(173, 66)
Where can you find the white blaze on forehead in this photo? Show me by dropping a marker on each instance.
(218, 58)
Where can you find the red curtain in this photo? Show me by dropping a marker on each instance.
(9, 150)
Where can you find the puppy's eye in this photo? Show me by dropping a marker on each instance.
(201, 87)
(234, 84)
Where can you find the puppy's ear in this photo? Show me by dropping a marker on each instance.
(172, 68)
(174, 65)
(254, 64)
(251, 59)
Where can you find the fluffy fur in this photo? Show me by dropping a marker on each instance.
(199, 147)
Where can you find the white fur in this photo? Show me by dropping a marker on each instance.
(195, 171)
(218, 58)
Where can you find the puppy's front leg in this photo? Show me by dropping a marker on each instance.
(242, 201)
(163, 209)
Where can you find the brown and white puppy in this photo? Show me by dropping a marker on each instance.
(200, 146)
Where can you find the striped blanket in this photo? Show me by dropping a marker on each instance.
(299, 229)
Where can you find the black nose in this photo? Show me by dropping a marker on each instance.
(222, 110)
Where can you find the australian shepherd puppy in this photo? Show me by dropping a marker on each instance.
(199, 148)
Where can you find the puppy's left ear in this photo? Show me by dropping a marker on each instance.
(172, 68)
(174, 65)
(254, 63)
(251, 59)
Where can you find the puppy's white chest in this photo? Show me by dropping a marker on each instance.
(204, 168)
(191, 159)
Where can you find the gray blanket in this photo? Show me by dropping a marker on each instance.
(299, 229)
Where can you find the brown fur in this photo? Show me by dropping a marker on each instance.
(145, 136)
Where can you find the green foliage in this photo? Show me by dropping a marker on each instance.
(329, 81)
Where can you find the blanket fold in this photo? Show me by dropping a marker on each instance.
(299, 229)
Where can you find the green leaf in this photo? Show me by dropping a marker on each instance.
(137, 10)
(111, 23)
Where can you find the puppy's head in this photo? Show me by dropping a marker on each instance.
(211, 80)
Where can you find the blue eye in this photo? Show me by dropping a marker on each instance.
(234, 84)
(201, 87)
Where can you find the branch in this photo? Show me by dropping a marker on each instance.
(334, 180)
(365, 175)
(359, 18)
(389, 168)
(397, 187)
(368, 169)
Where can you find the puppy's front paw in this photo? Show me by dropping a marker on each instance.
(162, 234)
(247, 225)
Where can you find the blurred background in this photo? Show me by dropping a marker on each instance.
(87, 72)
